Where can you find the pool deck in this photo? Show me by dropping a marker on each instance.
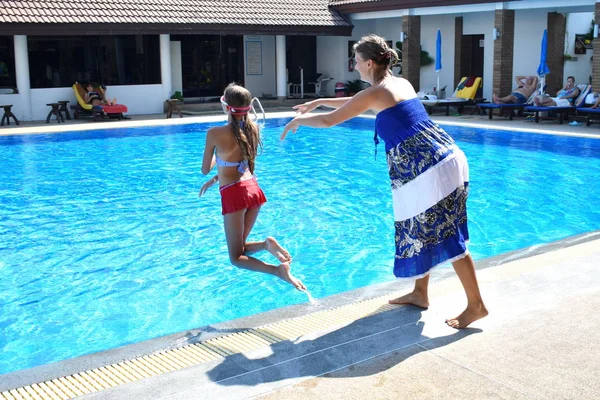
(540, 340)
(197, 114)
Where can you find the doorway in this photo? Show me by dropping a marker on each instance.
(301, 52)
(209, 63)
(471, 62)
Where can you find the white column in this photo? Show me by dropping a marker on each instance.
(176, 72)
(22, 72)
(165, 66)
(281, 67)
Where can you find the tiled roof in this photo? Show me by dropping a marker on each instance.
(244, 12)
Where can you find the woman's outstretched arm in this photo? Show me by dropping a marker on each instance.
(352, 107)
(311, 105)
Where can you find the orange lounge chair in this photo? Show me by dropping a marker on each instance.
(97, 112)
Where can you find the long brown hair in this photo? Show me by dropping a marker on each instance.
(244, 130)
(375, 48)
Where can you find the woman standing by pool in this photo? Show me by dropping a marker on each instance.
(233, 148)
(428, 172)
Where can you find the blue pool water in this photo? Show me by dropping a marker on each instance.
(104, 241)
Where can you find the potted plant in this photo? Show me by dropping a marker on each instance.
(177, 95)
(353, 87)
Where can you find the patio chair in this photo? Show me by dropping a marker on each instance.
(463, 95)
(508, 107)
(96, 112)
(563, 112)
(319, 81)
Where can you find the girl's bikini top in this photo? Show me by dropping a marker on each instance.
(242, 165)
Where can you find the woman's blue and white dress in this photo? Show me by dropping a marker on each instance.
(430, 177)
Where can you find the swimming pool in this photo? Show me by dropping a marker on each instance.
(104, 241)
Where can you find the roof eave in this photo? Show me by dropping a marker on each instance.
(38, 29)
(386, 5)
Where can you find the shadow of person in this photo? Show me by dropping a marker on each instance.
(321, 353)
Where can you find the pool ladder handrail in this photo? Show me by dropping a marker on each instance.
(262, 110)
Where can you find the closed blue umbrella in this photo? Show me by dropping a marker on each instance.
(438, 57)
(543, 67)
(438, 52)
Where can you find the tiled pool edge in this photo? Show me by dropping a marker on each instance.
(145, 121)
(84, 363)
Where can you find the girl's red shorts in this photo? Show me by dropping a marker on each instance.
(241, 195)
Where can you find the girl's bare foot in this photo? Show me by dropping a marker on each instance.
(275, 248)
(283, 271)
(467, 317)
(418, 299)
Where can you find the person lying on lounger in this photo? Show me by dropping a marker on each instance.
(597, 102)
(564, 97)
(526, 86)
(95, 98)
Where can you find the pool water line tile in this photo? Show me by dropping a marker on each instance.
(164, 361)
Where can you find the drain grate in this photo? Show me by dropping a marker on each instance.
(94, 380)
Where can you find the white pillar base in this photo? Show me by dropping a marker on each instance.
(165, 66)
(281, 67)
(22, 72)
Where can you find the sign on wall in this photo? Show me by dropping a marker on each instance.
(253, 58)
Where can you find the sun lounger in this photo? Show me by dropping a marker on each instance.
(97, 112)
(588, 112)
(462, 96)
(510, 107)
(563, 112)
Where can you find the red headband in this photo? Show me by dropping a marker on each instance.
(235, 110)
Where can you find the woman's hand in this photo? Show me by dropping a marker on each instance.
(208, 184)
(291, 126)
(306, 107)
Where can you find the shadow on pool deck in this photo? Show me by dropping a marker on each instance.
(539, 342)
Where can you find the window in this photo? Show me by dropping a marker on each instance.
(60, 61)
(8, 79)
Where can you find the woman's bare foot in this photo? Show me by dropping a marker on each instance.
(418, 299)
(467, 317)
(283, 271)
(275, 248)
(495, 98)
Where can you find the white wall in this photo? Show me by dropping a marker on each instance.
(332, 61)
(267, 82)
(41, 97)
(529, 29)
(482, 24)
(429, 27)
(139, 99)
(332, 53)
(581, 69)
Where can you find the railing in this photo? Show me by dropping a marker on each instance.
(262, 110)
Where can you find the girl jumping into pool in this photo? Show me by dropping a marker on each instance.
(233, 148)
(428, 172)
